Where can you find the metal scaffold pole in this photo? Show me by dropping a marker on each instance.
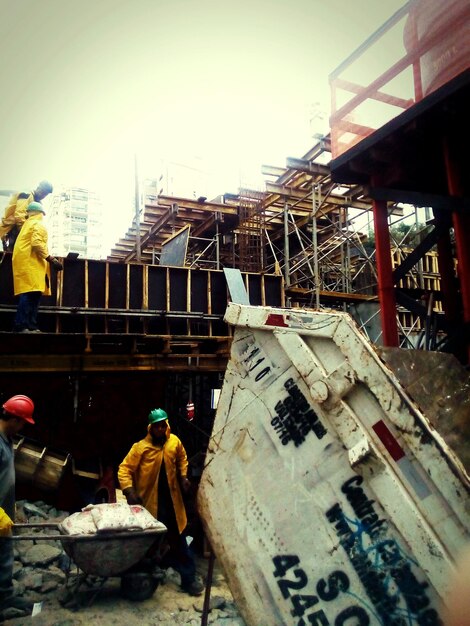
(137, 212)
(316, 190)
(286, 244)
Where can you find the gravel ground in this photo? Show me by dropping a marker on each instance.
(39, 573)
(169, 606)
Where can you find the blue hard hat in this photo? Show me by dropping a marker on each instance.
(45, 186)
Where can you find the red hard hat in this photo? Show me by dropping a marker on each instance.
(20, 406)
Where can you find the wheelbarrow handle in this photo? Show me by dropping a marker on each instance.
(38, 525)
(36, 536)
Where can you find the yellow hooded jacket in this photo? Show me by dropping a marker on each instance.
(29, 258)
(141, 469)
(15, 213)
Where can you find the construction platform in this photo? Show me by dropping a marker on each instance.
(112, 316)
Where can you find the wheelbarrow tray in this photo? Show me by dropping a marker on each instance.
(108, 553)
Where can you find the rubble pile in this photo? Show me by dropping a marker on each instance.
(40, 566)
(41, 569)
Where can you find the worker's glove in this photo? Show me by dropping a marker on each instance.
(6, 524)
(56, 264)
(132, 496)
(185, 484)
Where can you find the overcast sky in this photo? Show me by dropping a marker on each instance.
(225, 85)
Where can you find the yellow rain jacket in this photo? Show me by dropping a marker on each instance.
(29, 258)
(6, 524)
(141, 469)
(15, 213)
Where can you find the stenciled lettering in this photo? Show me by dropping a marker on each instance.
(329, 589)
(362, 506)
(378, 560)
(291, 578)
(355, 613)
(295, 418)
(256, 363)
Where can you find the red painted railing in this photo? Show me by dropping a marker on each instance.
(420, 48)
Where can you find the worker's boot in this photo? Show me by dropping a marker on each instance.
(194, 588)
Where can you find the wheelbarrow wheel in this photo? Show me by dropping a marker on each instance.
(138, 586)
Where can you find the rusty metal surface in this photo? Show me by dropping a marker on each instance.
(440, 386)
(39, 465)
(320, 469)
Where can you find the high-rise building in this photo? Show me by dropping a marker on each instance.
(76, 223)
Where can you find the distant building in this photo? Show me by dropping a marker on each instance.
(75, 223)
(185, 180)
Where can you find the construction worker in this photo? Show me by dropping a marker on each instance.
(153, 474)
(17, 411)
(15, 213)
(31, 273)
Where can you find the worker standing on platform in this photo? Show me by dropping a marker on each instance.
(16, 212)
(153, 474)
(31, 273)
(17, 411)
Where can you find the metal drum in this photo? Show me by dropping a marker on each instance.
(39, 466)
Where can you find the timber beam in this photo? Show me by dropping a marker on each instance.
(113, 363)
(164, 219)
(302, 195)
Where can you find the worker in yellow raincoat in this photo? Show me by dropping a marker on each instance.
(153, 474)
(31, 269)
(15, 213)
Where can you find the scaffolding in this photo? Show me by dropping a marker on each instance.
(340, 224)
(318, 234)
(400, 132)
(251, 231)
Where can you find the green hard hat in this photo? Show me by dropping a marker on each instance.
(36, 206)
(157, 415)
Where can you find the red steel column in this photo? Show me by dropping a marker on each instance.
(461, 224)
(388, 306)
(445, 260)
(462, 244)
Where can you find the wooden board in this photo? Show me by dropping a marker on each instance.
(174, 249)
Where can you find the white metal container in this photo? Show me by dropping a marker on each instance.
(327, 495)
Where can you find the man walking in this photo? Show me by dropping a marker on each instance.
(153, 474)
(17, 411)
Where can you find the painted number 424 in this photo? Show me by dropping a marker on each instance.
(327, 590)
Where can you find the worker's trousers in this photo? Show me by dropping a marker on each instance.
(27, 311)
(181, 558)
(6, 568)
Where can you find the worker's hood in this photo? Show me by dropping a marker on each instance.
(34, 215)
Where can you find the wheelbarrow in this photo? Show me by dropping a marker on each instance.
(104, 555)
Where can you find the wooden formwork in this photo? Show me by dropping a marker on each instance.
(101, 306)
